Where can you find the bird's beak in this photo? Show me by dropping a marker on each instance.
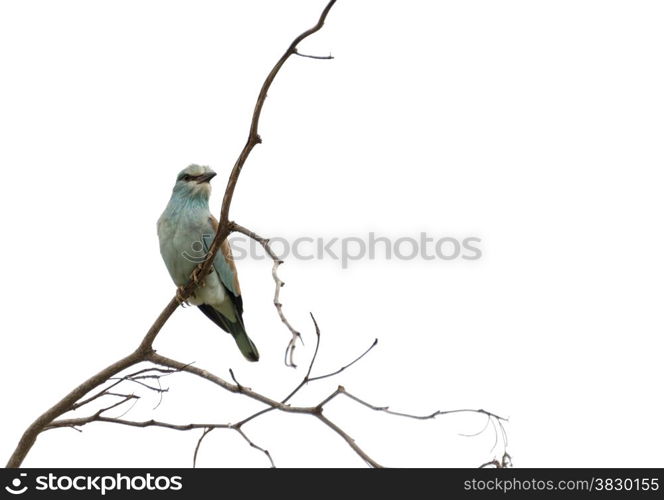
(206, 177)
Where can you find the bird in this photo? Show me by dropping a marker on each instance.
(186, 229)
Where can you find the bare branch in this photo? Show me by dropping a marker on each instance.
(233, 377)
(337, 372)
(385, 409)
(495, 420)
(271, 403)
(143, 384)
(146, 423)
(103, 392)
(278, 285)
(164, 361)
(481, 431)
(351, 442)
(65, 404)
(252, 140)
(207, 431)
(313, 57)
(79, 422)
(254, 445)
(152, 370)
(71, 422)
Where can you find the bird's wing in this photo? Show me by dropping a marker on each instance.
(224, 265)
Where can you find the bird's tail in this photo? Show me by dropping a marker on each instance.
(235, 328)
(244, 343)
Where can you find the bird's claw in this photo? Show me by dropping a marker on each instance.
(197, 272)
(179, 296)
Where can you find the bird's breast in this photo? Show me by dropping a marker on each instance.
(181, 241)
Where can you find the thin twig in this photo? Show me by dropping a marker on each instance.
(233, 377)
(429, 416)
(146, 423)
(351, 442)
(313, 57)
(147, 386)
(337, 372)
(207, 431)
(103, 392)
(278, 285)
(254, 445)
(481, 431)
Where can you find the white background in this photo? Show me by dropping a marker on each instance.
(534, 125)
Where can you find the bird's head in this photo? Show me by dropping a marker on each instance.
(194, 181)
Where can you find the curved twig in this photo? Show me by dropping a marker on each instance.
(278, 285)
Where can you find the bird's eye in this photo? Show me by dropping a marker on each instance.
(186, 178)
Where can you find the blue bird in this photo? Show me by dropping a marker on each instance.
(186, 230)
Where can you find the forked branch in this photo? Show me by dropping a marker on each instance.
(165, 366)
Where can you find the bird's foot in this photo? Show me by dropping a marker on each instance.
(179, 296)
(196, 274)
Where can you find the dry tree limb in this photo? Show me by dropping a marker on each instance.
(224, 224)
(254, 445)
(316, 410)
(78, 422)
(107, 383)
(198, 444)
(98, 417)
(164, 366)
